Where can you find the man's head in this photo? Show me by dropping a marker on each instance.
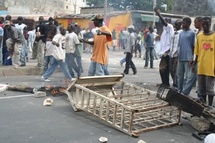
(177, 24)
(1, 19)
(7, 24)
(131, 28)
(151, 29)
(20, 19)
(51, 20)
(71, 28)
(186, 23)
(198, 22)
(41, 19)
(97, 20)
(62, 30)
(8, 17)
(168, 20)
(206, 24)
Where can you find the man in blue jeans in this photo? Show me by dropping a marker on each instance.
(185, 52)
(58, 56)
(193, 73)
(149, 40)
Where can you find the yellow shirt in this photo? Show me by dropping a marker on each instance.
(100, 52)
(205, 50)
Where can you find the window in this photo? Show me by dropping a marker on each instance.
(67, 7)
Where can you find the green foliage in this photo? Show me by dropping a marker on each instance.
(145, 5)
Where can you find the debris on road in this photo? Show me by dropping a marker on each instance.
(48, 102)
(141, 141)
(39, 92)
(192, 106)
(103, 140)
(3, 87)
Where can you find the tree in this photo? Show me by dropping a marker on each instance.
(192, 7)
(146, 5)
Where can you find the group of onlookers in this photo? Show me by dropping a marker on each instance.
(188, 56)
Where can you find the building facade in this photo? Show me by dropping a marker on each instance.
(74, 6)
(46, 7)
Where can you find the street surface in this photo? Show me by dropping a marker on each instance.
(25, 120)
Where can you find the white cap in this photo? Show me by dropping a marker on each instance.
(131, 27)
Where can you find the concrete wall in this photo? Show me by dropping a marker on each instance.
(19, 10)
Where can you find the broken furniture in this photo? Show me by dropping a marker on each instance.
(126, 107)
(187, 104)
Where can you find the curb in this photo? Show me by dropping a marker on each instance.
(11, 71)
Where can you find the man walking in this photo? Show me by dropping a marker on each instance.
(99, 59)
(129, 49)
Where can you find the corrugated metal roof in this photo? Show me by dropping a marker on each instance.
(88, 16)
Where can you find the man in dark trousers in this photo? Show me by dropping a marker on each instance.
(165, 41)
(129, 48)
(41, 40)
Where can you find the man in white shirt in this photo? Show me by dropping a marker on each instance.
(173, 54)
(165, 43)
(72, 42)
(21, 27)
(31, 39)
(59, 55)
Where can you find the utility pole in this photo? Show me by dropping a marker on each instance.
(154, 16)
(105, 10)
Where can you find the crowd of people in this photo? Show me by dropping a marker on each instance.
(53, 45)
(188, 56)
(185, 55)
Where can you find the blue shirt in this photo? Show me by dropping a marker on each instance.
(149, 40)
(186, 45)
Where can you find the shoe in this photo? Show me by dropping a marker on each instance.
(44, 79)
(145, 67)
(152, 67)
(161, 84)
(16, 67)
(135, 72)
(125, 73)
(38, 66)
(22, 65)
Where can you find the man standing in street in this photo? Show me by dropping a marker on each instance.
(99, 60)
(129, 49)
(185, 52)
(50, 32)
(14, 43)
(165, 43)
(173, 54)
(149, 40)
(114, 40)
(41, 40)
(205, 52)
(72, 42)
(22, 28)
